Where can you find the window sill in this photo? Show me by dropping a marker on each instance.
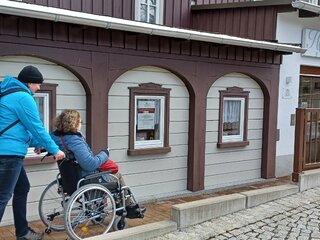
(37, 160)
(148, 151)
(232, 144)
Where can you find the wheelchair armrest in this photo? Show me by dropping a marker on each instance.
(111, 185)
(95, 175)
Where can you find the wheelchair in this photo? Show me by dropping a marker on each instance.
(85, 206)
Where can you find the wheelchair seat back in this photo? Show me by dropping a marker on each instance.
(70, 172)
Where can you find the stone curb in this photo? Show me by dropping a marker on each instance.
(259, 196)
(146, 231)
(191, 213)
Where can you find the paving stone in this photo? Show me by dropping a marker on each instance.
(296, 217)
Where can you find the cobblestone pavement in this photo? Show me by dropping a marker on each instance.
(294, 217)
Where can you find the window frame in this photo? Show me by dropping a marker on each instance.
(229, 94)
(45, 96)
(150, 143)
(51, 90)
(148, 90)
(159, 11)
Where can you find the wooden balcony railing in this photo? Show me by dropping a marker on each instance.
(307, 141)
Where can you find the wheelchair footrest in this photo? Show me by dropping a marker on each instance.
(135, 211)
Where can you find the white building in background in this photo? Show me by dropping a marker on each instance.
(299, 75)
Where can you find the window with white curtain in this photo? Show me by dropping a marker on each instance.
(150, 11)
(233, 118)
(233, 115)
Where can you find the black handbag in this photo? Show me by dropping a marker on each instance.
(70, 171)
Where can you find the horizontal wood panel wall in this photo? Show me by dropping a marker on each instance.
(255, 22)
(97, 39)
(150, 176)
(227, 166)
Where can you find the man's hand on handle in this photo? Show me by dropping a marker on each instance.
(60, 155)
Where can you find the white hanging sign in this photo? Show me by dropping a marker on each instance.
(311, 41)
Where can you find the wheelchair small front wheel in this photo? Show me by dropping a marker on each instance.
(120, 223)
(50, 209)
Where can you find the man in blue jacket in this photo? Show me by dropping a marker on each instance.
(20, 108)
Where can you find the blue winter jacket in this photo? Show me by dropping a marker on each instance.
(29, 131)
(77, 144)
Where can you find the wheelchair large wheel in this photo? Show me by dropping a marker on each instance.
(90, 212)
(51, 209)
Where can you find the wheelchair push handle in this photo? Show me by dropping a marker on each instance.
(42, 150)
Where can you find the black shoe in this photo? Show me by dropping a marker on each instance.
(135, 211)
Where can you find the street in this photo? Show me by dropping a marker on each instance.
(295, 217)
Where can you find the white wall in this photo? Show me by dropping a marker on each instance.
(70, 94)
(289, 30)
(233, 166)
(150, 176)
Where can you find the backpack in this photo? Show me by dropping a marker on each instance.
(6, 93)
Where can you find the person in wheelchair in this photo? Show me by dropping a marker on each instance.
(68, 137)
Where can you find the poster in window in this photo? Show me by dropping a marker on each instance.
(146, 114)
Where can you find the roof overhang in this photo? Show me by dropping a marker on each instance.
(86, 19)
(257, 3)
(306, 6)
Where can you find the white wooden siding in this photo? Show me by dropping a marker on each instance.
(153, 175)
(70, 94)
(232, 166)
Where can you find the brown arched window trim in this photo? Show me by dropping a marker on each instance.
(51, 89)
(233, 92)
(145, 90)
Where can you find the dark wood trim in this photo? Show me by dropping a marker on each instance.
(148, 89)
(92, 39)
(310, 70)
(148, 151)
(307, 14)
(240, 5)
(306, 156)
(232, 144)
(51, 89)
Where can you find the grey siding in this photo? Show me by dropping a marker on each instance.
(151, 175)
(232, 166)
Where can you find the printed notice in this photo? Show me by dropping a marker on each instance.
(146, 114)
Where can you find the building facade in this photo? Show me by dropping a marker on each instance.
(299, 76)
(181, 110)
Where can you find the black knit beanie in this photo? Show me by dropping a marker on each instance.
(30, 74)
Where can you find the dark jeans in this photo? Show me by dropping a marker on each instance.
(14, 180)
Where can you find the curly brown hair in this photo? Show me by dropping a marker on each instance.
(68, 121)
